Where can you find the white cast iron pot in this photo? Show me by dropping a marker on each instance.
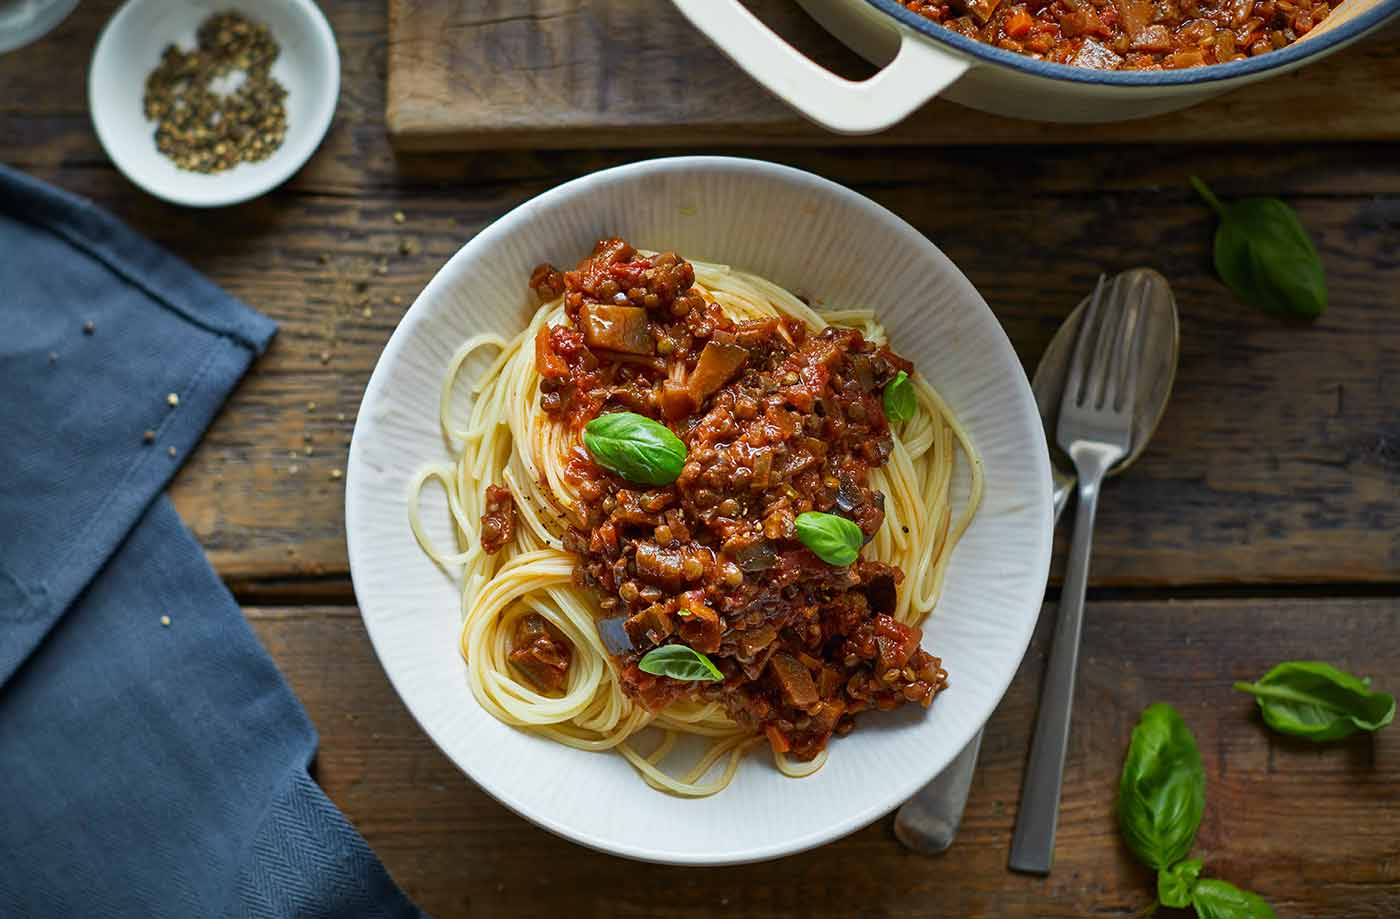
(921, 60)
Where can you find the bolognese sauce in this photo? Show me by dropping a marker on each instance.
(1130, 34)
(777, 421)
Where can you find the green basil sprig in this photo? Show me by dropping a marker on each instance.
(1162, 792)
(899, 398)
(1265, 256)
(635, 447)
(1317, 701)
(1216, 899)
(1175, 885)
(679, 662)
(1161, 799)
(834, 539)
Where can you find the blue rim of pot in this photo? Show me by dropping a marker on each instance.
(1189, 76)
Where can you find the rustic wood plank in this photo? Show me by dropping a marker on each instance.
(506, 74)
(1277, 462)
(45, 128)
(1310, 827)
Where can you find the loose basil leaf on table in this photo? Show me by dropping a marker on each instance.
(1265, 256)
(635, 447)
(1317, 701)
(1176, 884)
(1215, 899)
(679, 662)
(899, 398)
(1162, 791)
(834, 539)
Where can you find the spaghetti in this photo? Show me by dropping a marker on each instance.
(575, 545)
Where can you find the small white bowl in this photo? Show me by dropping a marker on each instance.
(818, 239)
(23, 22)
(130, 48)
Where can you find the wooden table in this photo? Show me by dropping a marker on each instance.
(1263, 523)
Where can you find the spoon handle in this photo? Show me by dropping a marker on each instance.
(1033, 845)
(928, 822)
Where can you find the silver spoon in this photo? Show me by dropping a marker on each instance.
(929, 820)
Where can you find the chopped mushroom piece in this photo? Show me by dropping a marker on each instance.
(676, 400)
(793, 680)
(717, 365)
(616, 328)
(1153, 38)
(982, 10)
(539, 654)
(498, 523)
(1095, 56)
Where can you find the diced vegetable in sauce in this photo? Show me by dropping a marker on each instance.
(717, 365)
(1130, 34)
(616, 328)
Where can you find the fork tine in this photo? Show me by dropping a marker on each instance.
(1124, 306)
(1098, 369)
(1132, 354)
(1083, 346)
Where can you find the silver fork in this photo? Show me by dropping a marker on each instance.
(1095, 430)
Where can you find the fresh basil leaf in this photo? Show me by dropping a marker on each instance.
(834, 539)
(899, 398)
(679, 662)
(1176, 884)
(1162, 792)
(1317, 701)
(635, 447)
(1216, 899)
(1265, 256)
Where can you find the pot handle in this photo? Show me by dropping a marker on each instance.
(918, 72)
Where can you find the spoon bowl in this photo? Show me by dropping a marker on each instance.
(1160, 350)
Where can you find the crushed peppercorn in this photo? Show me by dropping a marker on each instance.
(202, 129)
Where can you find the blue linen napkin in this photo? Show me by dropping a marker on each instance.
(149, 767)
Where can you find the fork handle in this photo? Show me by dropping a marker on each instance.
(928, 822)
(1033, 845)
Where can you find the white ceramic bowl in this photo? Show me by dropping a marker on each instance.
(130, 48)
(818, 239)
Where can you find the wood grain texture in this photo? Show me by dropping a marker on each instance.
(1278, 460)
(1309, 827)
(626, 73)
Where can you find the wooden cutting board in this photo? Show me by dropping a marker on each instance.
(497, 74)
